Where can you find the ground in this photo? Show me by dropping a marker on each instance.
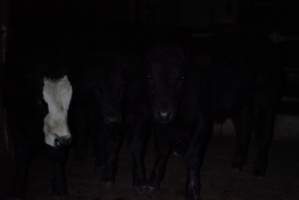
(219, 181)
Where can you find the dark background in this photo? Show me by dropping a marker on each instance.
(192, 13)
(24, 19)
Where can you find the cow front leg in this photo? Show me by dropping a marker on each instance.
(243, 128)
(264, 137)
(137, 146)
(113, 140)
(137, 152)
(163, 149)
(23, 158)
(58, 158)
(195, 158)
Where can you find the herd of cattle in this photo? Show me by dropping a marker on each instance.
(164, 85)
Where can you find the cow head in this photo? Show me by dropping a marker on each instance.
(165, 79)
(112, 90)
(57, 93)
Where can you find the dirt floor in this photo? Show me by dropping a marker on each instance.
(219, 181)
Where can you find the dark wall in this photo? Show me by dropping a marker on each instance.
(25, 8)
(201, 14)
(191, 13)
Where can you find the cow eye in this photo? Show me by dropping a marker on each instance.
(149, 77)
(181, 77)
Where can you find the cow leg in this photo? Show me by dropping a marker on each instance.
(81, 140)
(100, 149)
(79, 118)
(108, 157)
(264, 137)
(137, 144)
(163, 149)
(23, 158)
(195, 158)
(58, 158)
(114, 149)
(242, 123)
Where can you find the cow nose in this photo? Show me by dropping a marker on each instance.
(112, 119)
(62, 141)
(164, 115)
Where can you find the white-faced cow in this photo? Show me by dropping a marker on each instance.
(38, 105)
(57, 94)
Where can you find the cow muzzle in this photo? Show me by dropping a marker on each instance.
(164, 117)
(61, 142)
(113, 119)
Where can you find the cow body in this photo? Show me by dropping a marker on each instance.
(37, 99)
(103, 80)
(185, 100)
(263, 59)
(245, 85)
(173, 90)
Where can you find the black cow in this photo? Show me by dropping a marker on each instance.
(124, 112)
(185, 100)
(262, 59)
(245, 80)
(110, 94)
(174, 100)
(103, 79)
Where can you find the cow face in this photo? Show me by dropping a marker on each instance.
(165, 80)
(112, 92)
(57, 93)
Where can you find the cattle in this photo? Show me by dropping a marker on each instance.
(174, 100)
(38, 121)
(261, 56)
(185, 100)
(103, 80)
(157, 92)
(137, 122)
(38, 93)
(245, 83)
(124, 112)
(110, 96)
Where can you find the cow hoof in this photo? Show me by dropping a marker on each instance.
(107, 184)
(237, 167)
(178, 154)
(141, 189)
(179, 150)
(237, 170)
(107, 181)
(193, 197)
(150, 188)
(59, 192)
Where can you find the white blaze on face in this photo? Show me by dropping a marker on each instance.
(57, 94)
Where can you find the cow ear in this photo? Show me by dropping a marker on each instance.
(182, 77)
(65, 78)
(149, 76)
(45, 80)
